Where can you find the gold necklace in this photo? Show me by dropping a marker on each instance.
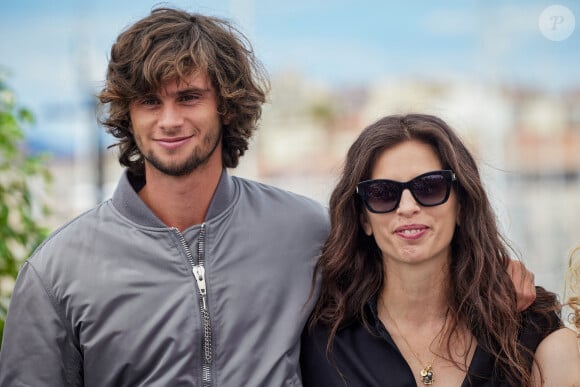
(427, 374)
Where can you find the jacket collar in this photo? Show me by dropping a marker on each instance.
(126, 200)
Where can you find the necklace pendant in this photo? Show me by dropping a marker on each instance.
(427, 375)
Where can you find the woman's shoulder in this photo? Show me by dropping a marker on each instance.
(561, 336)
(557, 359)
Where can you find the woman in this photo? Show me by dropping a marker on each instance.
(415, 288)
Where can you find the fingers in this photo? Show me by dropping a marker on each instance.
(524, 284)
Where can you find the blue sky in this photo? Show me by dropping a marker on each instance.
(55, 52)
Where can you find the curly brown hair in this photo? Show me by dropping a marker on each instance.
(481, 294)
(172, 44)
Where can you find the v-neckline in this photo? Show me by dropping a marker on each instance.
(478, 366)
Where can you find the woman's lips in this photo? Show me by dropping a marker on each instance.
(414, 231)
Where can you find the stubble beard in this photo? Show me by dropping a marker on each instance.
(198, 158)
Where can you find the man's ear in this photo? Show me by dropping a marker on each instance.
(226, 119)
(365, 224)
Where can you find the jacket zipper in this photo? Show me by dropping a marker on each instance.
(198, 270)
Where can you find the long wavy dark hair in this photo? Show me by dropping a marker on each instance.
(481, 294)
(172, 44)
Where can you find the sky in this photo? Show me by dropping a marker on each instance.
(54, 53)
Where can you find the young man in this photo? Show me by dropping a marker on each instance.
(187, 276)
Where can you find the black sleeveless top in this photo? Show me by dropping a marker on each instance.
(368, 359)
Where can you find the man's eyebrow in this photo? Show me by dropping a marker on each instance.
(190, 90)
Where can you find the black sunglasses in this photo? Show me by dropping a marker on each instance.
(429, 189)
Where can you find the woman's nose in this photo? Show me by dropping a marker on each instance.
(407, 204)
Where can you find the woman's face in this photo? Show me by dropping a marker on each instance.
(411, 234)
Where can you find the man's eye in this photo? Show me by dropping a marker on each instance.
(189, 97)
(149, 101)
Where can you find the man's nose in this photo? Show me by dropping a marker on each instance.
(171, 116)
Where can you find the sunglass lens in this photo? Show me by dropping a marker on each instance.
(430, 190)
(383, 196)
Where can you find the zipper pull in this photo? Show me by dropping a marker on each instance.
(199, 274)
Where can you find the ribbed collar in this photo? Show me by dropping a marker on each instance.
(126, 200)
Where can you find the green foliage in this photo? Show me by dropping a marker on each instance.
(20, 210)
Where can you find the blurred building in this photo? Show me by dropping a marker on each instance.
(526, 141)
(543, 150)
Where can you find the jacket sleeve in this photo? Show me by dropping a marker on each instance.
(37, 349)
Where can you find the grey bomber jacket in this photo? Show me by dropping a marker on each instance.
(116, 298)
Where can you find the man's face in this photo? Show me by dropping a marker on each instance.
(178, 128)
